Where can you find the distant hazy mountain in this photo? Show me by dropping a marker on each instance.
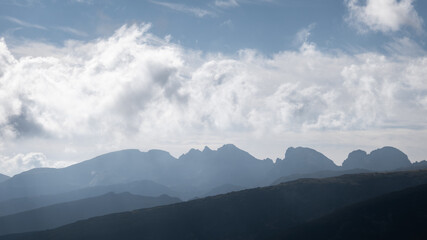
(3, 177)
(65, 213)
(384, 159)
(227, 165)
(416, 166)
(321, 174)
(112, 168)
(143, 188)
(397, 215)
(257, 213)
(302, 160)
(193, 174)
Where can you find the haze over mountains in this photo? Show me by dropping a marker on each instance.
(3, 177)
(131, 174)
(193, 174)
(69, 212)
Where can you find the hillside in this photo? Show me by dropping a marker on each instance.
(65, 213)
(142, 188)
(397, 215)
(249, 214)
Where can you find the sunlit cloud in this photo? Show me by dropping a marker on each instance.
(383, 15)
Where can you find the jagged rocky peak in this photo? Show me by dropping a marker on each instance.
(228, 147)
(207, 149)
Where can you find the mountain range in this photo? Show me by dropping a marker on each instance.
(266, 213)
(191, 175)
(235, 195)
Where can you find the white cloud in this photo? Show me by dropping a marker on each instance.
(303, 34)
(384, 15)
(22, 162)
(134, 89)
(198, 12)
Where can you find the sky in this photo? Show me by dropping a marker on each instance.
(79, 78)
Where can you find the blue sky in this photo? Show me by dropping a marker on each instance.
(225, 26)
(80, 78)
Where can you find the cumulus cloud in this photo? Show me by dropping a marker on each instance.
(384, 15)
(22, 162)
(136, 89)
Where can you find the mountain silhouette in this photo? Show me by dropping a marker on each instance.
(302, 160)
(397, 215)
(142, 187)
(383, 159)
(258, 213)
(3, 177)
(227, 165)
(111, 168)
(192, 174)
(65, 213)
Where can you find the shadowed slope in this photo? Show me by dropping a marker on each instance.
(398, 215)
(142, 188)
(65, 213)
(249, 214)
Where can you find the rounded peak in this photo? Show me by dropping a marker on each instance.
(300, 150)
(356, 159)
(357, 153)
(159, 153)
(388, 149)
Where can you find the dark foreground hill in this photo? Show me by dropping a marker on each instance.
(65, 213)
(257, 213)
(397, 215)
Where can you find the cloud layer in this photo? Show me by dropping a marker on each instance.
(136, 89)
